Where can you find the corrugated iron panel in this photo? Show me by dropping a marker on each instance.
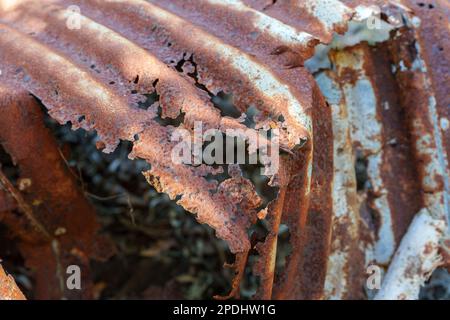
(385, 109)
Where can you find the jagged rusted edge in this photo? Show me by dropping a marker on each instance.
(199, 186)
(247, 73)
(220, 20)
(8, 287)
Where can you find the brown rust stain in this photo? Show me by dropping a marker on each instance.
(6, 202)
(398, 171)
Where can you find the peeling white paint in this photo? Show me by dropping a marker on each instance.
(384, 247)
(364, 12)
(441, 158)
(416, 22)
(365, 131)
(344, 191)
(329, 88)
(393, 68)
(445, 124)
(266, 83)
(357, 33)
(336, 281)
(328, 12)
(362, 103)
(416, 258)
(402, 66)
(265, 23)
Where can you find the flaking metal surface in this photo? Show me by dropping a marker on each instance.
(8, 287)
(187, 51)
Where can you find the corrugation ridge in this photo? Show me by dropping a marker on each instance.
(252, 25)
(301, 188)
(218, 60)
(321, 18)
(297, 215)
(367, 135)
(345, 231)
(254, 83)
(315, 226)
(110, 119)
(177, 91)
(113, 119)
(431, 158)
(65, 75)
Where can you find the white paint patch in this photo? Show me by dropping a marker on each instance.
(336, 280)
(430, 145)
(402, 66)
(374, 171)
(445, 124)
(385, 245)
(357, 33)
(393, 68)
(415, 259)
(344, 191)
(329, 88)
(266, 83)
(441, 158)
(366, 132)
(416, 22)
(419, 63)
(265, 23)
(365, 12)
(328, 12)
(361, 101)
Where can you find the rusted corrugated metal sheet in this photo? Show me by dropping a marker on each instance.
(382, 106)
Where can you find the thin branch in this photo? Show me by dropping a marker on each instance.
(28, 212)
(23, 205)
